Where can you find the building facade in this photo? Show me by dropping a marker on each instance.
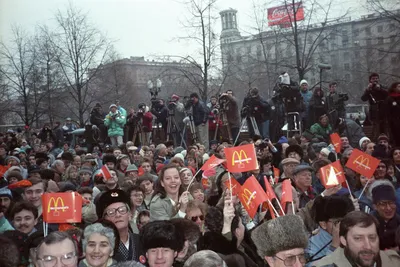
(353, 49)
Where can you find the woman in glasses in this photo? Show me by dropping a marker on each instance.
(115, 206)
(168, 200)
(99, 242)
(195, 212)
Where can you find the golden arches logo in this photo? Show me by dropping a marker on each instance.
(362, 162)
(55, 206)
(248, 196)
(241, 157)
(335, 171)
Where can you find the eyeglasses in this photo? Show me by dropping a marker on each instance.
(384, 204)
(291, 260)
(51, 261)
(194, 218)
(112, 212)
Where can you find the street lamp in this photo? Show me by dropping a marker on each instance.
(154, 91)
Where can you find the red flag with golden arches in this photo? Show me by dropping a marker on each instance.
(362, 163)
(62, 207)
(241, 158)
(332, 175)
(336, 142)
(252, 195)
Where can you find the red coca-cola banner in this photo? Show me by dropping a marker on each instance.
(284, 15)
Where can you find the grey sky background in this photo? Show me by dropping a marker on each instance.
(140, 27)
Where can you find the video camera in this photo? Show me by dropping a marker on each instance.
(289, 93)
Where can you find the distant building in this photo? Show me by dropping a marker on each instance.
(354, 48)
(126, 79)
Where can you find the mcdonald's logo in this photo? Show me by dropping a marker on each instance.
(248, 196)
(241, 157)
(362, 162)
(55, 207)
(335, 171)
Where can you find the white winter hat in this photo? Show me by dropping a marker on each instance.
(179, 156)
(325, 151)
(112, 105)
(362, 140)
(303, 81)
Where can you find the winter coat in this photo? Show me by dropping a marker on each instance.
(338, 259)
(161, 113)
(97, 116)
(163, 209)
(375, 98)
(387, 231)
(200, 114)
(317, 107)
(232, 112)
(46, 135)
(259, 108)
(353, 132)
(306, 100)
(322, 133)
(110, 263)
(5, 225)
(392, 110)
(115, 123)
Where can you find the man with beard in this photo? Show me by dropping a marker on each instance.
(359, 245)
(5, 201)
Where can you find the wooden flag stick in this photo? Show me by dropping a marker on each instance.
(348, 187)
(294, 212)
(193, 178)
(230, 184)
(362, 192)
(270, 203)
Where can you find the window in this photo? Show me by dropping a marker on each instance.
(346, 66)
(356, 32)
(345, 42)
(347, 77)
(380, 40)
(368, 30)
(380, 28)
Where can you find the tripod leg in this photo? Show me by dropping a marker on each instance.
(255, 126)
(240, 129)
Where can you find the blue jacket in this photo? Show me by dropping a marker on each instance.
(320, 241)
(200, 114)
(306, 99)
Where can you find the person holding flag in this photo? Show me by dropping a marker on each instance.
(302, 181)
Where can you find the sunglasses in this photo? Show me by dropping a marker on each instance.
(194, 218)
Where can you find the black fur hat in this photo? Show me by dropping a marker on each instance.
(109, 197)
(331, 207)
(162, 234)
(109, 158)
(294, 148)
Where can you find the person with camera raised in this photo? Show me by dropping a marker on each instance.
(231, 108)
(200, 118)
(115, 122)
(214, 118)
(256, 107)
(375, 94)
(335, 103)
(161, 112)
(177, 109)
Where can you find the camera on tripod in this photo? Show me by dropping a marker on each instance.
(141, 110)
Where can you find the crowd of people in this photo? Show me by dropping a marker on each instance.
(159, 208)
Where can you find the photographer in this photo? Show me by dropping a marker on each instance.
(177, 110)
(161, 112)
(115, 122)
(317, 105)
(200, 118)
(214, 117)
(255, 106)
(306, 94)
(229, 104)
(335, 103)
(375, 94)
(97, 118)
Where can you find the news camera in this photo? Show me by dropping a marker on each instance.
(289, 93)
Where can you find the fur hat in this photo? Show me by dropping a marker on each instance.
(15, 174)
(162, 234)
(109, 197)
(383, 192)
(383, 137)
(280, 234)
(294, 148)
(189, 229)
(67, 156)
(331, 207)
(109, 158)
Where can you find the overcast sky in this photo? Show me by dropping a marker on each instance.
(139, 27)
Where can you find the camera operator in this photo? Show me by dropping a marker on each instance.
(97, 118)
(115, 122)
(200, 118)
(214, 117)
(335, 103)
(306, 94)
(229, 104)
(375, 94)
(177, 109)
(161, 112)
(255, 106)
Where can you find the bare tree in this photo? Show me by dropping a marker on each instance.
(200, 26)
(22, 77)
(386, 8)
(81, 48)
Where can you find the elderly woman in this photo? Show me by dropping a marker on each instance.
(98, 243)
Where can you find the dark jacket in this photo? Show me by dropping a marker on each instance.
(97, 116)
(256, 107)
(317, 107)
(232, 112)
(134, 249)
(387, 231)
(392, 110)
(200, 113)
(375, 98)
(352, 131)
(46, 135)
(161, 113)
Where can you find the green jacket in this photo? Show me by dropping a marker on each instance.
(162, 209)
(321, 132)
(5, 225)
(115, 123)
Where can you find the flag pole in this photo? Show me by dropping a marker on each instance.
(270, 203)
(230, 183)
(294, 212)
(348, 187)
(191, 181)
(362, 192)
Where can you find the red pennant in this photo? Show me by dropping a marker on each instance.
(212, 163)
(336, 142)
(3, 169)
(268, 189)
(362, 163)
(241, 158)
(252, 195)
(287, 193)
(62, 207)
(276, 173)
(236, 187)
(332, 175)
(106, 172)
